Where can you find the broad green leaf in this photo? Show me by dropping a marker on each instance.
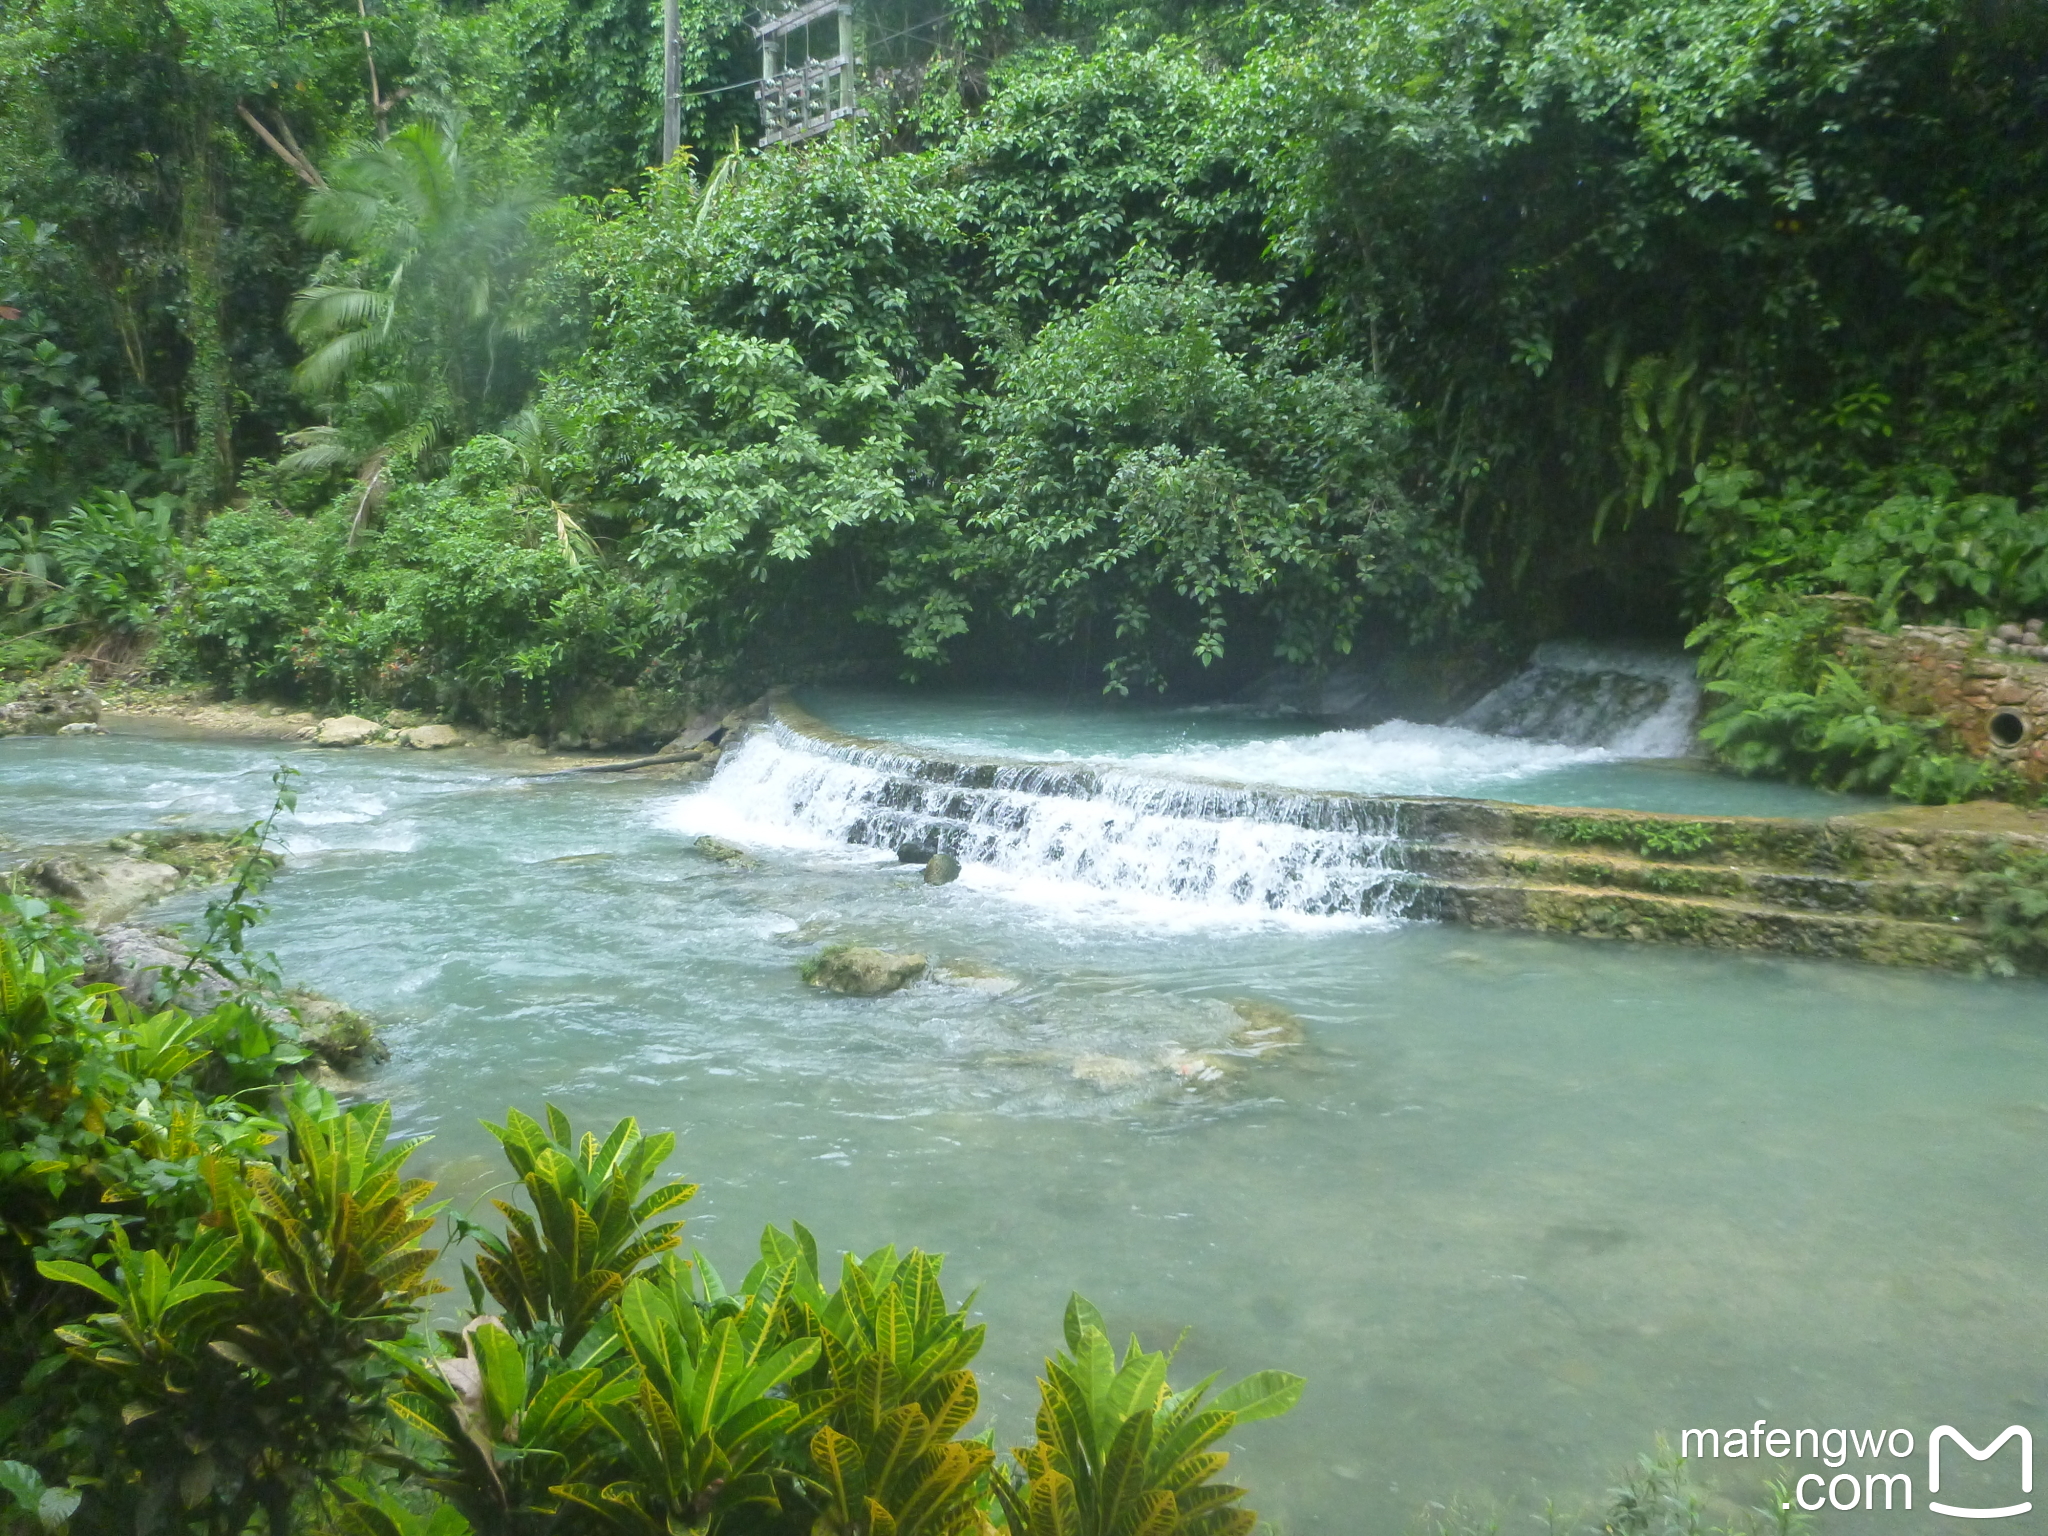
(1262, 1395)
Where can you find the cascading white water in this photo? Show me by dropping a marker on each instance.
(1060, 833)
(1141, 830)
(1626, 700)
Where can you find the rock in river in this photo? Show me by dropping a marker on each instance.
(431, 738)
(861, 972)
(941, 869)
(47, 711)
(725, 853)
(103, 888)
(345, 731)
(146, 965)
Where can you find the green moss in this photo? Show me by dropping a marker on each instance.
(202, 858)
(811, 968)
(1649, 839)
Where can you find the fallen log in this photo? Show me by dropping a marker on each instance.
(659, 758)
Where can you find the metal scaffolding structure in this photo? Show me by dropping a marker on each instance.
(803, 92)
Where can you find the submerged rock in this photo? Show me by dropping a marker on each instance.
(973, 976)
(725, 853)
(103, 888)
(1194, 1067)
(345, 731)
(1267, 1027)
(47, 711)
(941, 869)
(860, 972)
(914, 853)
(1109, 1071)
(198, 857)
(338, 1035)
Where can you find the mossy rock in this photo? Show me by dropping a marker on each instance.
(728, 854)
(339, 1036)
(200, 858)
(598, 717)
(856, 971)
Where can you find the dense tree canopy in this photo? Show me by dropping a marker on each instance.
(1144, 345)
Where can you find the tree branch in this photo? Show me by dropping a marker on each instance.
(292, 156)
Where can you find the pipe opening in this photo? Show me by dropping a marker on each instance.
(2007, 729)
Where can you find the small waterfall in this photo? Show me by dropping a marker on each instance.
(1147, 842)
(1625, 700)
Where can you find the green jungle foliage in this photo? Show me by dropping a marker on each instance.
(1133, 346)
(215, 1280)
(2011, 900)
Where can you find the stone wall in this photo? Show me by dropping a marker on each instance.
(1990, 687)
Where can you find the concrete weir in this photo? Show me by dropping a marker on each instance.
(1881, 887)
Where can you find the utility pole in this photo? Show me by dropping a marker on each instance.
(671, 80)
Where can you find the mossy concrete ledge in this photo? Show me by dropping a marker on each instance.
(1889, 887)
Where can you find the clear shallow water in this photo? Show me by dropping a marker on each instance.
(1514, 1207)
(1264, 747)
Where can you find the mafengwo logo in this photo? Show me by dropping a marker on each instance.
(2001, 1489)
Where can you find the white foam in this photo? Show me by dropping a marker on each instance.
(1398, 757)
(1199, 834)
(1080, 844)
(1630, 700)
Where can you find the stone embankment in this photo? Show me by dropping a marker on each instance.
(58, 711)
(1991, 687)
(1885, 888)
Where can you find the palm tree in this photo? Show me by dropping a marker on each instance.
(429, 295)
(383, 420)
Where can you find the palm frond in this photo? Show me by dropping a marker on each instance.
(340, 216)
(327, 366)
(316, 450)
(724, 176)
(319, 313)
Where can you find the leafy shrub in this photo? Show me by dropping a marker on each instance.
(1911, 543)
(1651, 839)
(2011, 900)
(25, 654)
(1789, 709)
(256, 578)
(47, 401)
(103, 568)
(469, 596)
(1154, 468)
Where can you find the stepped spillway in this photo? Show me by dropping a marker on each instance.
(1219, 847)
(1854, 887)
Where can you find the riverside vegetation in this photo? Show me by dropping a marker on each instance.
(216, 1282)
(1131, 345)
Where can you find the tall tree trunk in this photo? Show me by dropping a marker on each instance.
(207, 388)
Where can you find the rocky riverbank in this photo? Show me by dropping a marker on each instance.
(60, 704)
(109, 885)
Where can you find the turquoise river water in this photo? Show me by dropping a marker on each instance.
(1515, 1207)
